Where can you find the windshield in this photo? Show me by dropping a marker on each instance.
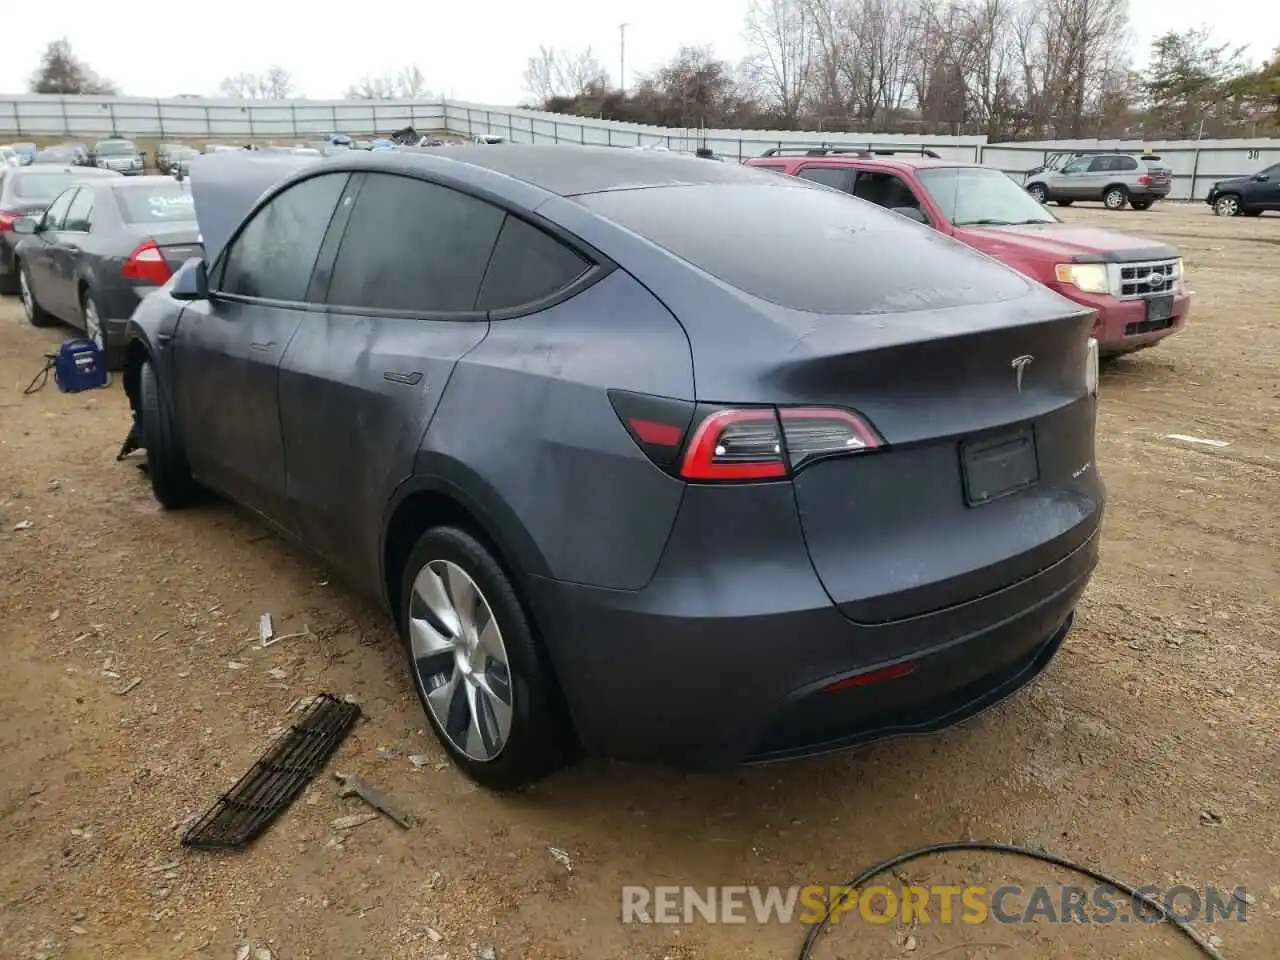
(156, 203)
(42, 186)
(115, 148)
(980, 196)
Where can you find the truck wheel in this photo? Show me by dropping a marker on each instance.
(1227, 205)
(1038, 192)
(1115, 198)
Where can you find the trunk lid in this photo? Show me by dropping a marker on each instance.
(987, 477)
(178, 242)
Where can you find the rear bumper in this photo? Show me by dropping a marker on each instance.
(726, 658)
(1153, 192)
(1121, 325)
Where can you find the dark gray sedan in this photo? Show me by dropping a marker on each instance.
(100, 247)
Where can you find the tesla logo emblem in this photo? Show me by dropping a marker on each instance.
(1020, 364)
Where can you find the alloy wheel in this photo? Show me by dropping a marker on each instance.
(1114, 200)
(460, 660)
(93, 325)
(1038, 193)
(1227, 207)
(24, 290)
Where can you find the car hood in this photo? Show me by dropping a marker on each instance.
(1064, 242)
(226, 185)
(1232, 181)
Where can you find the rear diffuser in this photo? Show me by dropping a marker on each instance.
(275, 780)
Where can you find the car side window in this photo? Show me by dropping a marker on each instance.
(414, 246)
(885, 190)
(1272, 173)
(527, 265)
(1080, 165)
(79, 217)
(273, 256)
(56, 214)
(837, 177)
(1124, 163)
(1101, 164)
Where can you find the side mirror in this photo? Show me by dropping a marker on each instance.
(26, 225)
(912, 213)
(1260, 177)
(192, 282)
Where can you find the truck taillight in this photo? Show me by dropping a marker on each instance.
(8, 218)
(147, 265)
(740, 443)
(1144, 179)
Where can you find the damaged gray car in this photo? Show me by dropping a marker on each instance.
(652, 458)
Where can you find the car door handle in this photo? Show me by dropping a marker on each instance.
(412, 379)
(267, 345)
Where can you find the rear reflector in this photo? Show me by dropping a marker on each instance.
(872, 676)
(739, 443)
(147, 265)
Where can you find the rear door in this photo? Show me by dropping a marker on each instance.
(361, 380)
(67, 253)
(229, 346)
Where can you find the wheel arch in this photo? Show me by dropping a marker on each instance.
(1114, 186)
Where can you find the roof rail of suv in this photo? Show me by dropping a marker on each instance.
(916, 151)
(814, 151)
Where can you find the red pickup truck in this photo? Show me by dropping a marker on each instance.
(1137, 286)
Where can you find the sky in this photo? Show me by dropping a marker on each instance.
(475, 51)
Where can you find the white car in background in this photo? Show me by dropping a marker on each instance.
(9, 157)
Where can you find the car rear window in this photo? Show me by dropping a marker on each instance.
(156, 203)
(810, 248)
(42, 186)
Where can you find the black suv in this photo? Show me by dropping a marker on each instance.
(1246, 195)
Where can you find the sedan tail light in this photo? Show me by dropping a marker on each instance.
(147, 265)
(740, 443)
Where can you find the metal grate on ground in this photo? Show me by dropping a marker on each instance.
(275, 780)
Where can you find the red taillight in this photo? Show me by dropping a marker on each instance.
(739, 443)
(8, 218)
(1144, 179)
(147, 265)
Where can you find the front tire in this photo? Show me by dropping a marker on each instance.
(171, 480)
(37, 316)
(1038, 192)
(1115, 198)
(483, 681)
(1227, 206)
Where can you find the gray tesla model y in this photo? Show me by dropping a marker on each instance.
(662, 459)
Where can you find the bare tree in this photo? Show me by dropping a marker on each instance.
(782, 38)
(276, 83)
(407, 83)
(563, 73)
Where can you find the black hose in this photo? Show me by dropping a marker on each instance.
(816, 931)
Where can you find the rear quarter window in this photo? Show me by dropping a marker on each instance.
(809, 248)
(527, 265)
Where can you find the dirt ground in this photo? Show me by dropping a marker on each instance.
(1148, 749)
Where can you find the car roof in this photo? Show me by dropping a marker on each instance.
(47, 168)
(566, 170)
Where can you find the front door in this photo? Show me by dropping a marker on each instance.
(360, 382)
(66, 254)
(38, 255)
(229, 347)
(1072, 181)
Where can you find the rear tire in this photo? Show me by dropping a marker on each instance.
(171, 480)
(96, 330)
(1227, 205)
(1141, 204)
(1038, 192)
(37, 316)
(1115, 198)
(482, 678)
(1064, 203)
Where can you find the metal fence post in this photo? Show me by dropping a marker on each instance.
(1195, 169)
(111, 109)
(582, 133)
(555, 131)
(293, 121)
